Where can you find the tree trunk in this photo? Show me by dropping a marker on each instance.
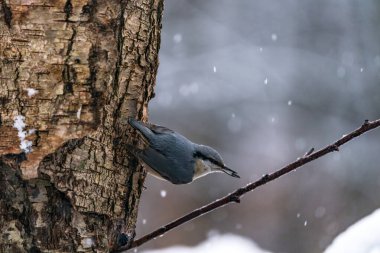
(71, 72)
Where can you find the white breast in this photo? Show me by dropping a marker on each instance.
(202, 168)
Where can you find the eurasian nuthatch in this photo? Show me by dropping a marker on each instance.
(173, 157)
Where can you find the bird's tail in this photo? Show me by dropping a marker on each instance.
(141, 127)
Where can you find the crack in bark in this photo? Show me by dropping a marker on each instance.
(97, 98)
(68, 9)
(15, 207)
(90, 9)
(68, 73)
(120, 43)
(7, 13)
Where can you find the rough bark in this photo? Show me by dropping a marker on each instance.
(66, 182)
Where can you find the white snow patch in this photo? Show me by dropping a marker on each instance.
(26, 146)
(19, 124)
(217, 243)
(363, 236)
(79, 111)
(87, 242)
(31, 92)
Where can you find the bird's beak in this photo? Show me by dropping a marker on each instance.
(230, 172)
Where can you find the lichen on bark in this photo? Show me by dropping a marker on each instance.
(73, 71)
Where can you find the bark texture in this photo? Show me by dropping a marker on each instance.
(71, 72)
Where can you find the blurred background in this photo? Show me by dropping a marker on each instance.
(263, 82)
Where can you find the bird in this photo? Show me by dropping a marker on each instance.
(171, 156)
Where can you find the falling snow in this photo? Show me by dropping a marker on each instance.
(266, 80)
(274, 36)
(144, 221)
(305, 223)
(177, 38)
(163, 193)
(234, 124)
(290, 102)
(214, 69)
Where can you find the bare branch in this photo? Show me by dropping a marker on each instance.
(235, 196)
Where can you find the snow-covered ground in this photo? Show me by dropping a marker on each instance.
(361, 237)
(226, 243)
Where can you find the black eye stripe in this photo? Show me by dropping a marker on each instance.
(199, 155)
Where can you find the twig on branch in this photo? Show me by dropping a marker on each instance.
(235, 196)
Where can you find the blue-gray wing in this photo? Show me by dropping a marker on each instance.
(147, 129)
(167, 167)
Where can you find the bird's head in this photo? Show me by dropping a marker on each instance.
(208, 160)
